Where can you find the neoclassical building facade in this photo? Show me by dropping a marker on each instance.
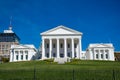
(100, 52)
(22, 52)
(61, 42)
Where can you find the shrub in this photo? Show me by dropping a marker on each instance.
(74, 60)
(49, 60)
(5, 59)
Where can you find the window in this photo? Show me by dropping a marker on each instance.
(75, 45)
(47, 55)
(75, 54)
(22, 57)
(68, 54)
(47, 45)
(102, 56)
(6, 46)
(107, 52)
(54, 55)
(53, 45)
(68, 45)
(3, 46)
(97, 56)
(106, 56)
(17, 57)
(26, 56)
(61, 55)
(61, 45)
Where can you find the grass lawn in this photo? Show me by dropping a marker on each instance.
(75, 70)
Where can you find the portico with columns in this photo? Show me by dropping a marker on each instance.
(61, 42)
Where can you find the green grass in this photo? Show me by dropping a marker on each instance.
(48, 70)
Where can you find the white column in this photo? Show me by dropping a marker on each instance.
(43, 48)
(65, 47)
(50, 51)
(24, 58)
(94, 55)
(11, 55)
(91, 54)
(99, 55)
(19, 56)
(104, 56)
(78, 53)
(14, 57)
(58, 52)
(109, 54)
(73, 48)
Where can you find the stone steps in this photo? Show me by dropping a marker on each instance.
(61, 60)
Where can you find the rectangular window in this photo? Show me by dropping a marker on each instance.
(97, 56)
(16, 57)
(3, 46)
(54, 55)
(61, 55)
(106, 56)
(75, 45)
(61, 45)
(68, 55)
(102, 56)
(68, 45)
(47, 45)
(47, 55)
(6, 46)
(75, 54)
(21, 57)
(26, 57)
(53, 45)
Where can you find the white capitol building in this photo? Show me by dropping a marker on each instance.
(63, 43)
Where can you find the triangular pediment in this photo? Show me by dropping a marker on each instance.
(61, 30)
(101, 45)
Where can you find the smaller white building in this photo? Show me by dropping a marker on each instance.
(100, 52)
(22, 52)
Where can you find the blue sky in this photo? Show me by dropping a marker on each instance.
(98, 20)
